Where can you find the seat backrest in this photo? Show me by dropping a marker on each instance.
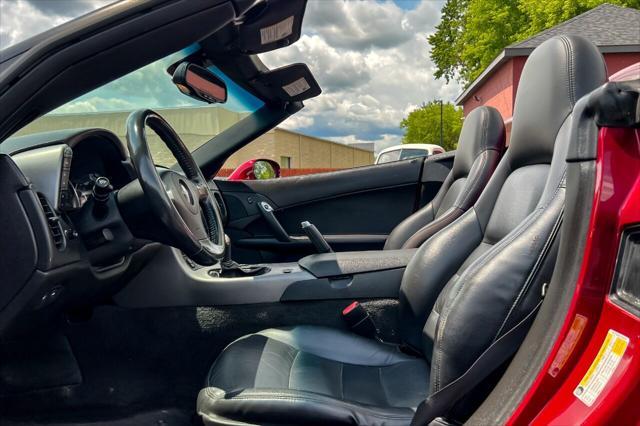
(480, 147)
(477, 278)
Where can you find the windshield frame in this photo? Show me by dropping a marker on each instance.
(151, 87)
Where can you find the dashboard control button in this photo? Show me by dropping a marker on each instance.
(49, 297)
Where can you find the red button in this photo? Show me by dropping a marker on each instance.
(350, 308)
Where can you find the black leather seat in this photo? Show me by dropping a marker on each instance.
(480, 146)
(466, 286)
(313, 375)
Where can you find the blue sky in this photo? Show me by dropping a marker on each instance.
(371, 58)
(407, 4)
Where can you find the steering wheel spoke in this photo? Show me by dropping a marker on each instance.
(202, 189)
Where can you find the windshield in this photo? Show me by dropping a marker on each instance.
(389, 156)
(150, 87)
(408, 153)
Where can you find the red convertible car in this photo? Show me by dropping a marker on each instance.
(490, 285)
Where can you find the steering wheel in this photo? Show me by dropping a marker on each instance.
(183, 204)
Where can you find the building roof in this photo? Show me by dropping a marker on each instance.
(355, 146)
(605, 25)
(367, 146)
(613, 29)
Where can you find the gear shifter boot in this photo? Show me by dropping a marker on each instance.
(231, 268)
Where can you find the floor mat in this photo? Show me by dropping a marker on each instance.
(138, 360)
(165, 417)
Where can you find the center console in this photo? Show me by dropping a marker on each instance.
(171, 280)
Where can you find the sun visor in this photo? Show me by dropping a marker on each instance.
(290, 83)
(270, 25)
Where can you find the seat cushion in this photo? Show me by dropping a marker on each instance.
(310, 374)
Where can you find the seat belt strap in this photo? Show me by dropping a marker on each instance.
(439, 403)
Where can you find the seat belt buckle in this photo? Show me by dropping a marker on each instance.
(359, 320)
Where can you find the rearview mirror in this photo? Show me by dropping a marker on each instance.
(199, 83)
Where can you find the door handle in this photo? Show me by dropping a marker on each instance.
(274, 224)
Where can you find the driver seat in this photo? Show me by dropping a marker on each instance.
(465, 287)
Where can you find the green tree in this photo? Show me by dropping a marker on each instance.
(483, 39)
(446, 42)
(472, 33)
(422, 125)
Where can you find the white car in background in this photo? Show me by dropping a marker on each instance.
(407, 151)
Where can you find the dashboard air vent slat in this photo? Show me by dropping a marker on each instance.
(53, 222)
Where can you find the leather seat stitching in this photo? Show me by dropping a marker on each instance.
(476, 265)
(411, 241)
(296, 398)
(266, 396)
(472, 186)
(384, 390)
(292, 365)
(570, 69)
(529, 279)
(209, 379)
(341, 380)
(485, 129)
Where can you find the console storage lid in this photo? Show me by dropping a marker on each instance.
(355, 262)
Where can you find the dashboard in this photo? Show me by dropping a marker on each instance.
(58, 253)
(67, 248)
(64, 170)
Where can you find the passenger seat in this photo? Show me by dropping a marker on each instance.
(481, 144)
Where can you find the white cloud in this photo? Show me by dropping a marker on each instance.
(297, 122)
(385, 141)
(371, 60)
(66, 7)
(365, 24)
(21, 19)
(96, 104)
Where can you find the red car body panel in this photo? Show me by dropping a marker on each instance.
(244, 171)
(616, 205)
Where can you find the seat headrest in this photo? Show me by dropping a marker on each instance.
(558, 73)
(483, 129)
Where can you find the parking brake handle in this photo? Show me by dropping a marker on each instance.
(316, 237)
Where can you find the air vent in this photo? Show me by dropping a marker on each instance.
(53, 222)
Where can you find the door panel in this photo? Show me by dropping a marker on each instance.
(355, 209)
(290, 191)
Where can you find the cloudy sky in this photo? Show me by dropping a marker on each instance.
(370, 57)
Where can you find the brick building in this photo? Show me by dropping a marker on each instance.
(305, 153)
(297, 153)
(615, 30)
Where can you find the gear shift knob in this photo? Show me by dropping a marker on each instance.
(101, 189)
